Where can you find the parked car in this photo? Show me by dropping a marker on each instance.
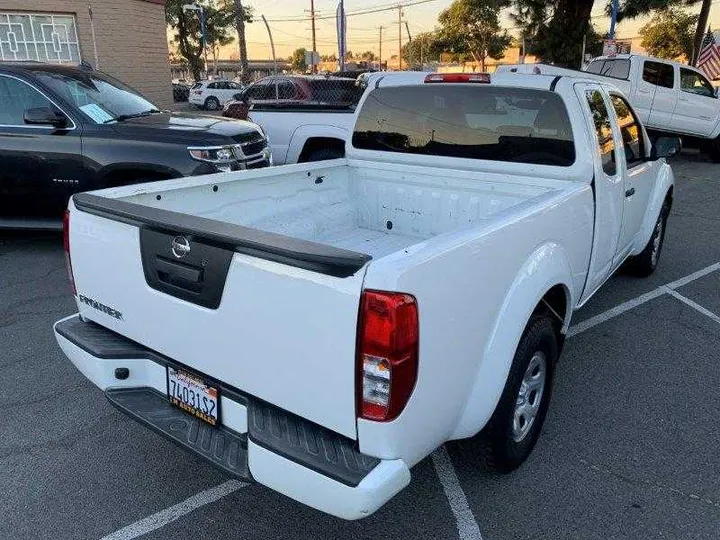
(212, 95)
(307, 118)
(181, 92)
(669, 97)
(334, 323)
(67, 129)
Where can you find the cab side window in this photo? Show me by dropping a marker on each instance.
(603, 129)
(632, 136)
(659, 74)
(15, 98)
(693, 82)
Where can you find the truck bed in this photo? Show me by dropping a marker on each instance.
(372, 210)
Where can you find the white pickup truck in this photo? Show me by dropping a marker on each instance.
(669, 97)
(320, 328)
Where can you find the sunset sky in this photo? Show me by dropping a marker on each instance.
(363, 30)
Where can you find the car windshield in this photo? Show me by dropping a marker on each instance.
(100, 97)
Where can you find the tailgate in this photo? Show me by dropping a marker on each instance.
(269, 315)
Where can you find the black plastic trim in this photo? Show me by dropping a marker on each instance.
(265, 245)
(554, 82)
(224, 448)
(281, 432)
(308, 444)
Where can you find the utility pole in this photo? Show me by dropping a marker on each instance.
(380, 55)
(700, 30)
(399, 38)
(314, 45)
(613, 20)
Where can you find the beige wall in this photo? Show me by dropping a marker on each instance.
(131, 39)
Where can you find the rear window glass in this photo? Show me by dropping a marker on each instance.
(618, 68)
(477, 122)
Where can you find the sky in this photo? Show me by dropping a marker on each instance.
(364, 30)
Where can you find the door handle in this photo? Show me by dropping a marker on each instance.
(630, 192)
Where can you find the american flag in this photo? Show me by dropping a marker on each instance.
(709, 58)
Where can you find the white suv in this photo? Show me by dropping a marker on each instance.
(212, 95)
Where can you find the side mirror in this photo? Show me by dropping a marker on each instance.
(45, 116)
(665, 147)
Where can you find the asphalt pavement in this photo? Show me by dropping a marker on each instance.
(629, 449)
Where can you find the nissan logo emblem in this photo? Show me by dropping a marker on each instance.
(180, 247)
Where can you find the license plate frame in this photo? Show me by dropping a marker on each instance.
(198, 388)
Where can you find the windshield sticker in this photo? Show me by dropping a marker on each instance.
(97, 113)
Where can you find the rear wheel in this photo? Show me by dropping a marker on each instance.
(510, 435)
(713, 150)
(212, 103)
(645, 263)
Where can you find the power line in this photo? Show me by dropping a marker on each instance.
(364, 11)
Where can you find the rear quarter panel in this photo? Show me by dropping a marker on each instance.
(476, 289)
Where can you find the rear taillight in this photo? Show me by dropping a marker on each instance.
(387, 354)
(66, 245)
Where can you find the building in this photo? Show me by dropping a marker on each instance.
(125, 38)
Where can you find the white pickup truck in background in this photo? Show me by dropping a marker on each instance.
(669, 97)
(306, 118)
(320, 328)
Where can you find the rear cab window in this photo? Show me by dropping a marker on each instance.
(468, 121)
(659, 74)
(617, 68)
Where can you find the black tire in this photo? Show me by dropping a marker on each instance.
(501, 446)
(212, 103)
(713, 150)
(323, 154)
(645, 263)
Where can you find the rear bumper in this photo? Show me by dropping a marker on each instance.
(256, 441)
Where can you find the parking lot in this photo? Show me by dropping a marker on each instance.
(629, 448)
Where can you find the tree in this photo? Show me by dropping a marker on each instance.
(368, 56)
(242, 15)
(421, 49)
(219, 17)
(636, 8)
(473, 27)
(669, 34)
(554, 30)
(297, 60)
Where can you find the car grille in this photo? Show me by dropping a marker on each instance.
(250, 149)
(259, 164)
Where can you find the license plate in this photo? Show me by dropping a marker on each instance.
(191, 394)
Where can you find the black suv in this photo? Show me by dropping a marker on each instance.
(67, 129)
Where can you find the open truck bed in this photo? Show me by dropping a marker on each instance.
(353, 206)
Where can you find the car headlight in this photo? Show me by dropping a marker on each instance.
(214, 154)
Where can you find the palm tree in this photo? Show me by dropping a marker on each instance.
(240, 25)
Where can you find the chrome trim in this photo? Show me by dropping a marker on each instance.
(28, 126)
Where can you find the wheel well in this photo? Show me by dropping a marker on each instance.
(319, 143)
(555, 302)
(669, 196)
(133, 176)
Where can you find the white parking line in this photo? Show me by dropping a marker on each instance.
(464, 518)
(635, 302)
(694, 305)
(164, 517)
